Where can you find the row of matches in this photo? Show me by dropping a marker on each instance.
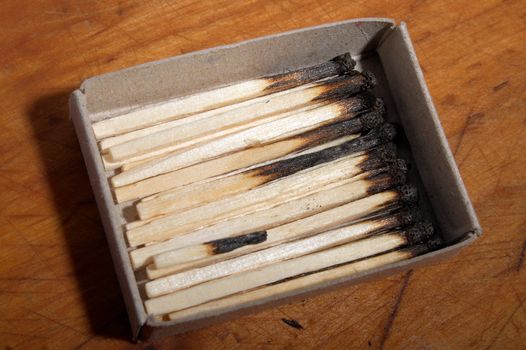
(259, 188)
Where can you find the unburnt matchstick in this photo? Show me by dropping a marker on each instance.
(207, 100)
(278, 129)
(296, 186)
(209, 191)
(288, 286)
(265, 275)
(229, 247)
(278, 215)
(320, 137)
(220, 124)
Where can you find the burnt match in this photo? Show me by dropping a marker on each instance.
(263, 197)
(203, 101)
(205, 192)
(220, 124)
(289, 211)
(278, 129)
(229, 247)
(321, 137)
(229, 285)
(278, 253)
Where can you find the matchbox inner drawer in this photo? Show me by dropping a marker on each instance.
(378, 45)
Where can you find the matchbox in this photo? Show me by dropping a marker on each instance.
(377, 45)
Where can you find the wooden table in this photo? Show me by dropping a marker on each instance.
(58, 288)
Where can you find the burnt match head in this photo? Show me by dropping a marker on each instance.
(391, 176)
(379, 158)
(409, 215)
(386, 152)
(419, 233)
(385, 133)
(360, 102)
(370, 80)
(355, 104)
(408, 194)
(346, 63)
(398, 171)
(371, 120)
(379, 105)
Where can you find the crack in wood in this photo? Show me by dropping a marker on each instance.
(396, 308)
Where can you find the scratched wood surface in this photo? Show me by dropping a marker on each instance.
(57, 285)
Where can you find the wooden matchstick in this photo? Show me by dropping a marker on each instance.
(248, 280)
(209, 191)
(245, 158)
(284, 251)
(108, 142)
(275, 216)
(241, 204)
(279, 129)
(129, 165)
(272, 194)
(303, 282)
(185, 258)
(153, 154)
(222, 96)
(228, 247)
(220, 124)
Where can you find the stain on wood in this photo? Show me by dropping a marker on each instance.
(292, 323)
(226, 245)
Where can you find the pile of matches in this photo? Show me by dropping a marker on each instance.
(260, 188)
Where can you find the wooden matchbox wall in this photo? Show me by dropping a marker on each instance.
(242, 176)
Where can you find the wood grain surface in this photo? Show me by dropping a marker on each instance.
(57, 285)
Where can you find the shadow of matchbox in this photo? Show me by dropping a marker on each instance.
(378, 46)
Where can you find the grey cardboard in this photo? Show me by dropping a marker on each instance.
(377, 44)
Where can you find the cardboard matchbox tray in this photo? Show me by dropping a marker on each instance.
(378, 45)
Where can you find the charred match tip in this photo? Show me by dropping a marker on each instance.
(346, 62)
(370, 80)
(357, 103)
(408, 194)
(398, 171)
(386, 152)
(379, 105)
(371, 120)
(226, 245)
(410, 215)
(388, 177)
(419, 233)
(380, 157)
(367, 99)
